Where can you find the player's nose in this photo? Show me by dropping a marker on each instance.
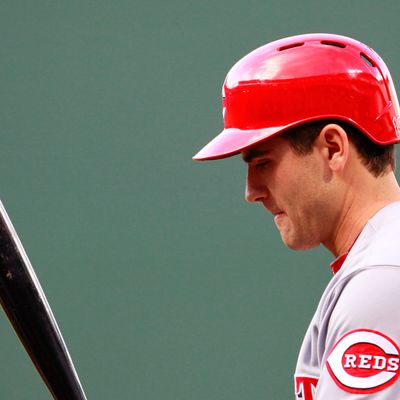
(254, 191)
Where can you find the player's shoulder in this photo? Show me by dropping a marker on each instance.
(372, 285)
(369, 300)
(378, 242)
(364, 334)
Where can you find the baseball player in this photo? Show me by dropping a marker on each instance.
(315, 118)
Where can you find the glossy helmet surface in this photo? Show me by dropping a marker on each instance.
(300, 79)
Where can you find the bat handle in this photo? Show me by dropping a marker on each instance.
(29, 312)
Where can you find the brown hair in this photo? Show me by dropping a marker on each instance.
(377, 158)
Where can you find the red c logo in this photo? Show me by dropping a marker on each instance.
(364, 361)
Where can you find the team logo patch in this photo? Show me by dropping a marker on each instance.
(364, 361)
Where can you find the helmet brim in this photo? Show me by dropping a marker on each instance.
(232, 141)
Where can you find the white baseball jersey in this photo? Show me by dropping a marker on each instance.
(352, 347)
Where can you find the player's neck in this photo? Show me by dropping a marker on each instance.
(361, 203)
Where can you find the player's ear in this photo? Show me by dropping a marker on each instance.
(333, 143)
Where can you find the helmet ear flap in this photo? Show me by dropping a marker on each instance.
(301, 79)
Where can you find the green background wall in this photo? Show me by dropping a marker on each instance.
(165, 283)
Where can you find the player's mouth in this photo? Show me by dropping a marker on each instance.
(279, 219)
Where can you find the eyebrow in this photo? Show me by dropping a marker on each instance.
(253, 154)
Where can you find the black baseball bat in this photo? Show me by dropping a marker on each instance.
(30, 314)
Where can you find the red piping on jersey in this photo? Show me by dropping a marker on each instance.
(337, 264)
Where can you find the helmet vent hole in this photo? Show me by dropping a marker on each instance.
(367, 60)
(331, 43)
(289, 46)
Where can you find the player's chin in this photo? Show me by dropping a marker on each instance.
(297, 243)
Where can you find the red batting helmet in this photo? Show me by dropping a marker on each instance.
(301, 79)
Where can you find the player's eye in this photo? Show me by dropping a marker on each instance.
(261, 163)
